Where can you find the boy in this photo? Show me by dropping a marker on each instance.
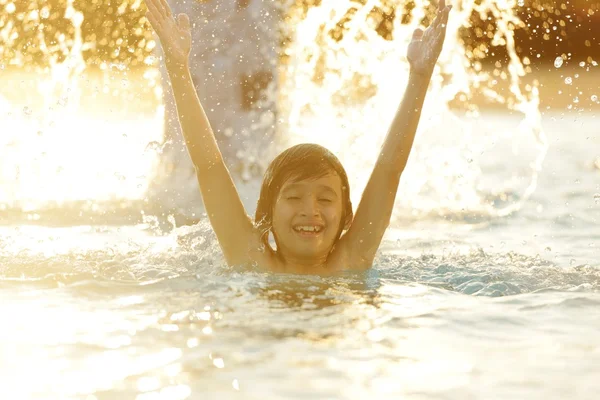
(304, 200)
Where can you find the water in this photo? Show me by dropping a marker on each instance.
(486, 284)
(453, 308)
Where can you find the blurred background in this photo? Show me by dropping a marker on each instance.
(114, 32)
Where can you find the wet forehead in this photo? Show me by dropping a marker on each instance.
(330, 183)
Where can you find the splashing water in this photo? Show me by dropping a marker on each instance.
(72, 142)
(342, 83)
(150, 311)
(558, 62)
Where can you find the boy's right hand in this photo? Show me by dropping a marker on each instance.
(175, 36)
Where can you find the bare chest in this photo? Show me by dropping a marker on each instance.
(271, 261)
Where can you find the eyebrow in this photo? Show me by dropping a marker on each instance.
(293, 186)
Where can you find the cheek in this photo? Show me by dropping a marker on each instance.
(281, 213)
(333, 213)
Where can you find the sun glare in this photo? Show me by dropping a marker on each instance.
(49, 158)
(74, 128)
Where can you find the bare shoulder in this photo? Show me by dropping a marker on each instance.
(244, 248)
(262, 255)
(343, 258)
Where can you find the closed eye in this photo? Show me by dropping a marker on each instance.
(293, 198)
(325, 200)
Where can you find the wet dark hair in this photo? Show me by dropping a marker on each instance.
(303, 161)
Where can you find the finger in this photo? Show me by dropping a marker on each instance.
(156, 4)
(445, 16)
(151, 5)
(183, 21)
(153, 21)
(441, 19)
(437, 20)
(442, 13)
(439, 38)
(439, 41)
(166, 8)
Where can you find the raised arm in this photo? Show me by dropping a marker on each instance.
(227, 215)
(375, 208)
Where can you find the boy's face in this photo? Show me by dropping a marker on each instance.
(307, 216)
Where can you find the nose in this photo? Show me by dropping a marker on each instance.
(309, 207)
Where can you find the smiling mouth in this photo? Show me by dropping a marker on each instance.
(308, 230)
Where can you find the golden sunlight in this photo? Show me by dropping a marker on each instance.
(74, 128)
(63, 152)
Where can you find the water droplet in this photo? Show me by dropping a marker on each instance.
(2, 66)
(597, 198)
(63, 101)
(582, 64)
(558, 62)
(521, 3)
(548, 248)
(594, 98)
(27, 110)
(219, 363)
(470, 160)
(568, 79)
(45, 13)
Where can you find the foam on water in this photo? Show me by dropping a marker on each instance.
(65, 256)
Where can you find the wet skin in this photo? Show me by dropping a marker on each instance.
(307, 217)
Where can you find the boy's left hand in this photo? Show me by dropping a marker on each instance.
(425, 47)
